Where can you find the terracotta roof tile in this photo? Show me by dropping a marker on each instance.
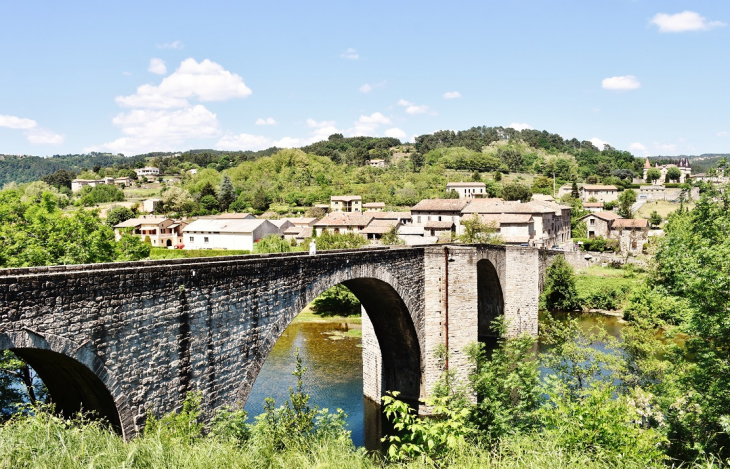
(441, 205)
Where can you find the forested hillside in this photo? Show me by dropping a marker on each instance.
(32, 168)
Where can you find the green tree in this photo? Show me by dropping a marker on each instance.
(625, 201)
(131, 248)
(655, 219)
(674, 174)
(559, 292)
(477, 231)
(19, 384)
(261, 200)
(226, 193)
(516, 191)
(337, 301)
(417, 161)
(511, 157)
(652, 175)
(272, 243)
(574, 191)
(209, 203)
(391, 238)
(497, 176)
(117, 215)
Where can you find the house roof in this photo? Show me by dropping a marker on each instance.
(647, 164)
(234, 216)
(592, 204)
(143, 220)
(392, 215)
(630, 223)
(598, 187)
(606, 216)
(374, 205)
(441, 205)
(346, 198)
(345, 219)
(482, 206)
(543, 198)
(378, 227)
(303, 221)
(508, 218)
(439, 225)
(280, 223)
(466, 184)
(305, 232)
(226, 225)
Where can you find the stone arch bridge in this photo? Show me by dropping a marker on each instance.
(125, 339)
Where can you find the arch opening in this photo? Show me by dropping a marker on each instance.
(490, 302)
(72, 386)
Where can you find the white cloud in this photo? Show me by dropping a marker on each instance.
(148, 130)
(665, 146)
(12, 122)
(395, 132)
(291, 142)
(414, 109)
(368, 125)
(598, 142)
(244, 142)
(33, 132)
(267, 121)
(367, 87)
(374, 118)
(452, 95)
(683, 22)
(157, 66)
(350, 54)
(207, 80)
(520, 126)
(171, 45)
(621, 83)
(638, 147)
(723, 134)
(314, 124)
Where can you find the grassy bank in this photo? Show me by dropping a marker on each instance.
(164, 253)
(307, 315)
(606, 288)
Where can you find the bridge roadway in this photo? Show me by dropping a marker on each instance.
(126, 339)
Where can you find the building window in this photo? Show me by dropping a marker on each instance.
(205, 239)
(192, 239)
(419, 219)
(593, 221)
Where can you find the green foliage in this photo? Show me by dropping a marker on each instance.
(272, 243)
(560, 291)
(100, 194)
(607, 293)
(337, 301)
(19, 385)
(655, 219)
(652, 175)
(516, 191)
(477, 231)
(131, 248)
(391, 238)
(625, 201)
(226, 193)
(329, 240)
(209, 203)
(261, 200)
(673, 174)
(164, 253)
(117, 215)
(599, 244)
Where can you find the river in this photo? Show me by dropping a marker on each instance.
(333, 357)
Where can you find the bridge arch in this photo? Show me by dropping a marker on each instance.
(391, 311)
(490, 300)
(75, 376)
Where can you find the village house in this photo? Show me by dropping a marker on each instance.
(512, 228)
(543, 198)
(162, 231)
(632, 234)
(151, 205)
(551, 221)
(78, 184)
(564, 190)
(343, 222)
(652, 192)
(601, 193)
(374, 206)
(599, 224)
(282, 225)
(468, 190)
(377, 163)
(441, 210)
(148, 172)
(346, 203)
(226, 233)
(593, 206)
(377, 228)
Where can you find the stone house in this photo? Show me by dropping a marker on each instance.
(226, 233)
(282, 225)
(343, 222)
(601, 193)
(652, 192)
(346, 203)
(377, 163)
(441, 210)
(151, 205)
(513, 228)
(632, 234)
(374, 206)
(468, 190)
(599, 224)
(593, 206)
(162, 231)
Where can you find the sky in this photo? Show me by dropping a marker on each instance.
(650, 77)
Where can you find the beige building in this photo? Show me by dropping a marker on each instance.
(343, 222)
(377, 163)
(442, 210)
(346, 203)
(227, 233)
(468, 190)
(599, 224)
(599, 192)
(162, 231)
(593, 206)
(374, 206)
(684, 168)
(631, 233)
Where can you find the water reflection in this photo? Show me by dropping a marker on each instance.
(333, 379)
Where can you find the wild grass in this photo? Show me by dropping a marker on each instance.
(164, 253)
(606, 288)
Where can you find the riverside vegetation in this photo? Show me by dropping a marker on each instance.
(646, 400)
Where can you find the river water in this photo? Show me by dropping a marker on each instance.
(334, 372)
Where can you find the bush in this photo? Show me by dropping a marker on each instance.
(599, 244)
(337, 301)
(559, 292)
(101, 194)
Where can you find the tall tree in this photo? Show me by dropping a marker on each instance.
(226, 193)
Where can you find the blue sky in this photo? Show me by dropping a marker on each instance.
(133, 77)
